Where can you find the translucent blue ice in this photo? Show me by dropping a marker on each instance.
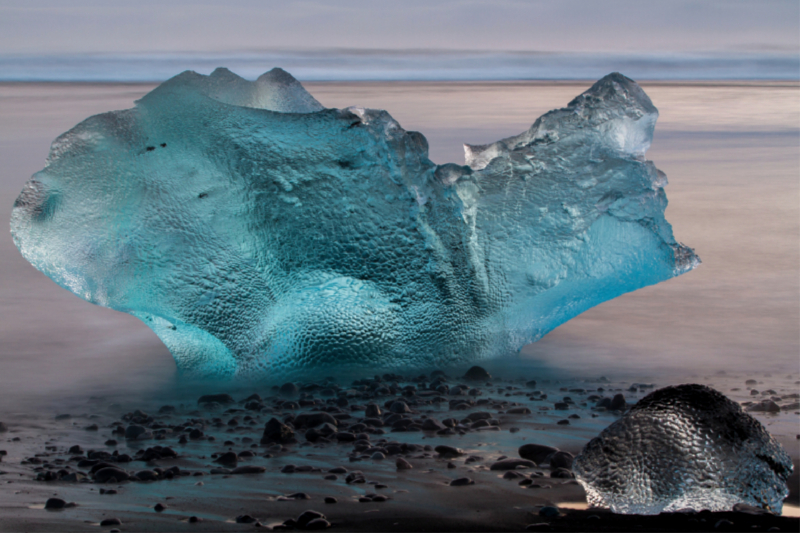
(257, 232)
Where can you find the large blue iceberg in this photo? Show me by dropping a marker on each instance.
(257, 232)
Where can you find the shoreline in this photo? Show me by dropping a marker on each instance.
(418, 499)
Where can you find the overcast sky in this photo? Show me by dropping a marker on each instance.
(70, 26)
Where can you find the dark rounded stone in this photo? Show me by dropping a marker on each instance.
(289, 390)
(399, 407)
(159, 507)
(222, 399)
(549, 511)
(461, 482)
(147, 475)
(111, 522)
(561, 460)
(477, 373)
(317, 524)
(104, 475)
(245, 519)
(133, 432)
(538, 453)
(276, 431)
(249, 469)
(562, 473)
(372, 411)
(448, 451)
(512, 464)
(618, 403)
(55, 503)
(308, 516)
(227, 459)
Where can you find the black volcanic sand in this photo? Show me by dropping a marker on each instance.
(204, 464)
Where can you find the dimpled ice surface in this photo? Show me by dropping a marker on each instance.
(257, 232)
(684, 447)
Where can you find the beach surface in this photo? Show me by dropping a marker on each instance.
(731, 153)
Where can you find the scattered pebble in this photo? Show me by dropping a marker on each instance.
(477, 373)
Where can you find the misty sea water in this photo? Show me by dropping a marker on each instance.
(730, 151)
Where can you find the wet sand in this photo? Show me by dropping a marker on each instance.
(732, 155)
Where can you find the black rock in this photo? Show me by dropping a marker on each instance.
(618, 403)
(3, 427)
(245, 519)
(317, 524)
(538, 453)
(512, 464)
(764, 406)
(562, 473)
(147, 475)
(105, 475)
(549, 511)
(249, 469)
(372, 411)
(461, 482)
(399, 407)
(55, 503)
(75, 450)
(477, 373)
(561, 460)
(431, 424)
(308, 516)
(159, 507)
(479, 415)
(402, 464)
(134, 432)
(448, 451)
(111, 522)
(276, 431)
(289, 390)
(223, 399)
(228, 459)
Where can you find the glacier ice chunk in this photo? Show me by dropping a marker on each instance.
(681, 447)
(257, 232)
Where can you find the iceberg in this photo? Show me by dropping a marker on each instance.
(684, 447)
(257, 232)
